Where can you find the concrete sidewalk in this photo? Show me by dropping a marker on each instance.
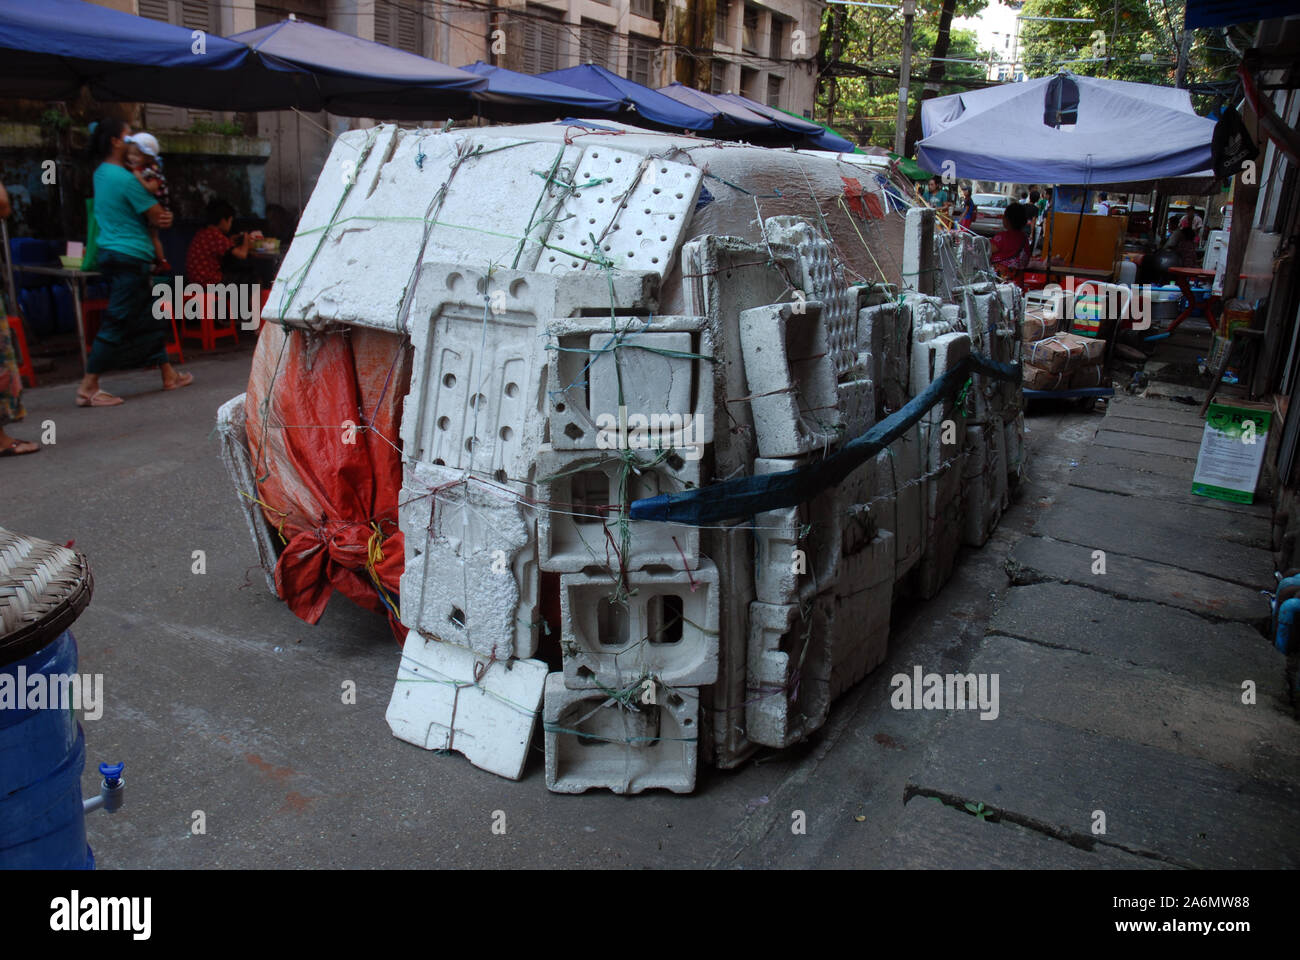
(1122, 691)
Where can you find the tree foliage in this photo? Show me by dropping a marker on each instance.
(861, 52)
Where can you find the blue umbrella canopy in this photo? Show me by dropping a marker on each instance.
(725, 113)
(512, 89)
(814, 135)
(650, 105)
(52, 49)
(360, 78)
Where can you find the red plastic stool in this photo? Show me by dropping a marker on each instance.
(207, 332)
(25, 371)
(174, 352)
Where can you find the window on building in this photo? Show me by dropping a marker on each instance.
(642, 8)
(773, 91)
(641, 61)
(597, 44)
(776, 41)
(718, 76)
(194, 15)
(720, 28)
(399, 25)
(749, 83)
(539, 42)
(749, 30)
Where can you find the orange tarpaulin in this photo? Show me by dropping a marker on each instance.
(323, 412)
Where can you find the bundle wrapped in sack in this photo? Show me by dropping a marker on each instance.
(1064, 352)
(1092, 375)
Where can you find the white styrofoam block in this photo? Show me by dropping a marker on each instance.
(596, 742)
(998, 497)
(232, 429)
(664, 625)
(1013, 305)
(471, 562)
(918, 271)
(682, 415)
(630, 211)
(931, 359)
(885, 336)
(857, 407)
(796, 549)
(863, 598)
(587, 493)
(448, 698)
(722, 706)
(821, 278)
(640, 372)
(789, 669)
(908, 519)
(790, 379)
(1014, 429)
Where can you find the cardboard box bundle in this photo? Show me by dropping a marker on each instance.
(1063, 361)
(1038, 327)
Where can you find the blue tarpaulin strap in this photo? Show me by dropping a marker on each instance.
(745, 496)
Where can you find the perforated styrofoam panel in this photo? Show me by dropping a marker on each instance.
(664, 625)
(822, 279)
(628, 210)
(471, 562)
(586, 505)
(594, 741)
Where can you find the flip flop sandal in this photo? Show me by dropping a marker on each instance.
(13, 451)
(98, 399)
(182, 380)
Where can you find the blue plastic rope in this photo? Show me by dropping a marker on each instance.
(745, 496)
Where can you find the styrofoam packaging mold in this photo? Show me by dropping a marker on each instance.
(449, 698)
(664, 625)
(857, 407)
(791, 383)
(788, 687)
(231, 428)
(723, 703)
(674, 393)
(885, 335)
(1014, 429)
(594, 741)
(796, 549)
(471, 562)
(479, 366)
(582, 522)
(821, 278)
(908, 519)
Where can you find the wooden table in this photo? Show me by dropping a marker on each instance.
(76, 281)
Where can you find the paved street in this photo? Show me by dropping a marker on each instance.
(1120, 692)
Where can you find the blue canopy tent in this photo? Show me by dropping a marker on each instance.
(651, 106)
(360, 78)
(727, 117)
(814, 135)
(1066, 129)
(52, 49)
(521, 97)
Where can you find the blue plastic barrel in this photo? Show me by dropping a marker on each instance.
(42, 753)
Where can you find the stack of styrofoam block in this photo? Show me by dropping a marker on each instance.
(472, 431)
(722, 278)
(942, 435)
(629, 411)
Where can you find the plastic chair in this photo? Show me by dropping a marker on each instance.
(19, 336)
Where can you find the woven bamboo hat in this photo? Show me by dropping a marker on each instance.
(43, 589)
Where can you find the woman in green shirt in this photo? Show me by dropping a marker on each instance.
(130, 335)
